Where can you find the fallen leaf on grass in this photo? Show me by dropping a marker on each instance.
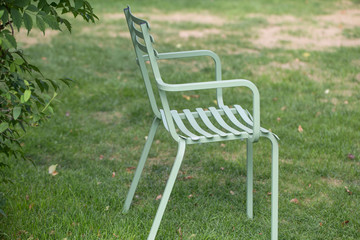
(351, 156)
(306, 54)
(190, 196)
(107, 208)
(129, 169)
(345, 222)
(348, 191)
(283, 108)
(101, 157)
(232, 193)
(320, 224)
(300, 129)
(31, 206)
(269, 193)
(294, 200)
(180, 233)
(52, 170)
(186, 97)
(158, 197)
(188, 177)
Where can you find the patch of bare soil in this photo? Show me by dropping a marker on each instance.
(317, 33)
(34, 37)
(107, 117)
(105, 30)
(186, 34)
(201, 18)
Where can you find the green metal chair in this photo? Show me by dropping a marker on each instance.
(244, 125)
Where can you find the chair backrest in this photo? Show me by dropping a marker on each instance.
(142, 41)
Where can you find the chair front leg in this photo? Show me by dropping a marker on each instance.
(141, 164)
(249, 179)
(274, 187)
(168, 189)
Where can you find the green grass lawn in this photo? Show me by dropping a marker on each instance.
(304, 56)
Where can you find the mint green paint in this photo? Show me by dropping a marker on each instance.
(173, 119)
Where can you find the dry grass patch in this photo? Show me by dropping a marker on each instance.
(316, 33)
(333, 182)
(35, 37)
(107, 117)
(186, 34)
(176, 17)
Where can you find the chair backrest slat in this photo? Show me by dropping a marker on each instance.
(137, 36)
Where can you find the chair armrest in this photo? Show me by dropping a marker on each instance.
(196, 53)
(221, 84)
(186, 54)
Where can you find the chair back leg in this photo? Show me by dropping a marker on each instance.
(141, 164)
(274, 187)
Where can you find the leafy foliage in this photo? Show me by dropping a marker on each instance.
(25, 94)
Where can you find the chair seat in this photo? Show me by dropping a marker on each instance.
(214, 124)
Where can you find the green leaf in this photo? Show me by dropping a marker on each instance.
(16, 17)
(12, 67)
(28, 22)
(32, 8)
(5, 16)
(19, 61)
(78, 4)
(55, 86)
(51, 1)
(27, 95)
(16, 112)
(40, 23)
(51, 21)
(3, 126)
(1, 13)
(21, 3)
(11, 40)
(67, 24)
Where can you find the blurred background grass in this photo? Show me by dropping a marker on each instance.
(102, 120)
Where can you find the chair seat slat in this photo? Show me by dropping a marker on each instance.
(195, 125)
(164, 119)
(182, 126)
(234, 120)
(221, 121)
(244, 116)
(209, 124)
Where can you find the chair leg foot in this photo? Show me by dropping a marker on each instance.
(167, 191)
(249, 180)
(141, 164)
(274, 188)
